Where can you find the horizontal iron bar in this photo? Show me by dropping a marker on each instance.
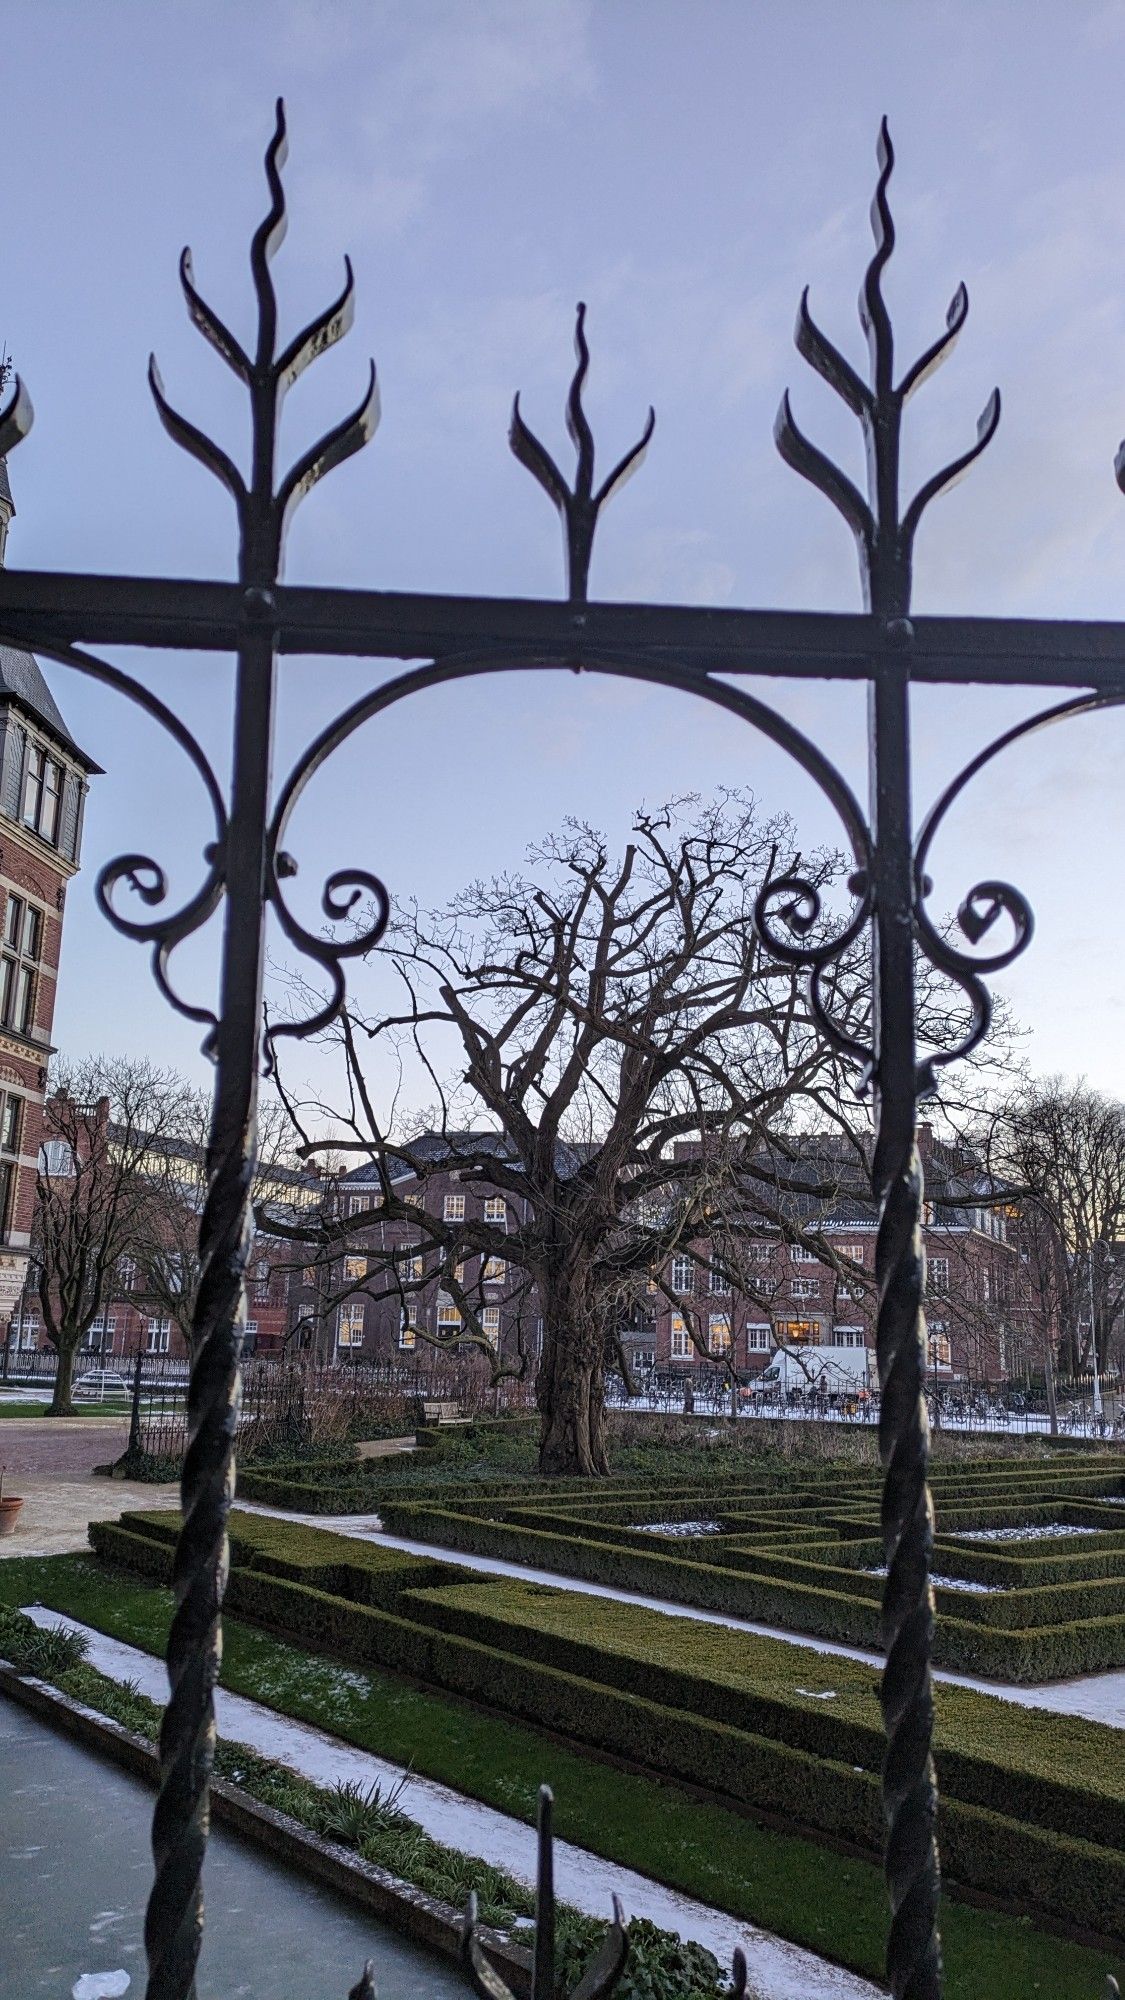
(40, 607)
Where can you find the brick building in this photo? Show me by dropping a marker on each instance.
(384, 1290)
(44, 778)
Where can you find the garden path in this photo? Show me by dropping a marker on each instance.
(778, 1970)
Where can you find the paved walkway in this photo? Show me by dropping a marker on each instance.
(778, 1970)
(49, 1461)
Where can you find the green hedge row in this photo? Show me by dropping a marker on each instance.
(710, 1678)
(1034, 1653)
(1076, 1881)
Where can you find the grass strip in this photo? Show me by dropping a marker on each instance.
(834, 1905)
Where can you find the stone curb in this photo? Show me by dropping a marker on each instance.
(403, 1908)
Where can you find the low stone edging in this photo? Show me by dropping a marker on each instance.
(399, 1905)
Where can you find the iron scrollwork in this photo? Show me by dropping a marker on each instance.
(247, 861)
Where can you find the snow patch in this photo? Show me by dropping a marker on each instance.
(1043, 1531)
(100, 1985)
(679, 1527)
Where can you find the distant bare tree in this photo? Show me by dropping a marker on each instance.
(94, 1192)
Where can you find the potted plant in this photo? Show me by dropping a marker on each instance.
(9, 1508)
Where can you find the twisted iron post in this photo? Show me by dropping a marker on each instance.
(247, 868)
(884, 531)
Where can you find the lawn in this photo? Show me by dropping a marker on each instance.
(831, 1903)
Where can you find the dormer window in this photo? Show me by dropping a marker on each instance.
(42, 793)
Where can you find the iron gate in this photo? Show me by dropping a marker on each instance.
(247, 865)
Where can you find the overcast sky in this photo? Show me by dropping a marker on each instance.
(685, 169)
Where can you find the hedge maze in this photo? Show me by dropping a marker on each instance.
(1029, 1556)
(1032, 1811)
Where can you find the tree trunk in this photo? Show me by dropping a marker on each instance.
(570, 1387)
(61, 1404)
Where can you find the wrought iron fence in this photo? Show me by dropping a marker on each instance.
(247, 866)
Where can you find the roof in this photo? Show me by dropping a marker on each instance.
(21, 676)
(458, 1149)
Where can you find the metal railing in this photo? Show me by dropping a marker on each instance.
(703, 652)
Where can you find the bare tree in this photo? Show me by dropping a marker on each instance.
(165, 1247)
(94, 1192)
(628, 1053)
(1060, 1145)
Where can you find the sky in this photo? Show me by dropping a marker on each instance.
(685, 169)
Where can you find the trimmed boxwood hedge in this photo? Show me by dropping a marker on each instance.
(1073, 1880)
(1032, 1653)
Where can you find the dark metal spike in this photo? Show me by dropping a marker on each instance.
(577, 423)
(812, 464)
(348, 437)
(193, 440)
(873, 315)
(607, 1966)
(320, 334)
(928, 363)
(364, 1988)
(823, 355)
(632, 462)
(16, 418)
(543, 1953)
(209, 324)
(537, 460)
(267, 239)
(941, 482)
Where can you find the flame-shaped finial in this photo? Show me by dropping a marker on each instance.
(579, 508)
(884, 531)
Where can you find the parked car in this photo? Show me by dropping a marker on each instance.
(101, 1382)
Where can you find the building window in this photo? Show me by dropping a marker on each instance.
(358, 1202)
(42, 791)
(761, 1253)
(683, 1275)
(355, 1267)
(159, 1332)
(349, 1327)
(799, 1255)
(937, 1276)
(805, 1288)
(848, 1336)
(758, 1339)
(448, 1317)
(495, 1209)
(849, 1293)
(853, 1250)
(453, 1209)
(126, 1274)
(718, 1280)
(11, 1119)
(495, 1270)
(681, 1339)
(408, 1326)
(718, 1334)
(800, 1332)
(940, 1351)
(23, 943)
(490, 1321)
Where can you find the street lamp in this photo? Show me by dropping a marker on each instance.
(1109, 1263)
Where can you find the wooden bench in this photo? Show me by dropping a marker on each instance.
(439, 1416)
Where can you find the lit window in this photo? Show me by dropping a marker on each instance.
(495, 1208)
(683, 1274)
(453, 1209)
(940, 1350)
(355, 1267)
(852, 1250)
(495, 1270)
(349, 1326)
(681, 1339)
(408, 1326)
(799, 1332)
(490, 1321)
(718, 1334)
(448, 1317)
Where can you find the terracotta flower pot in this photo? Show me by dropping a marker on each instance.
(9, 1513)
